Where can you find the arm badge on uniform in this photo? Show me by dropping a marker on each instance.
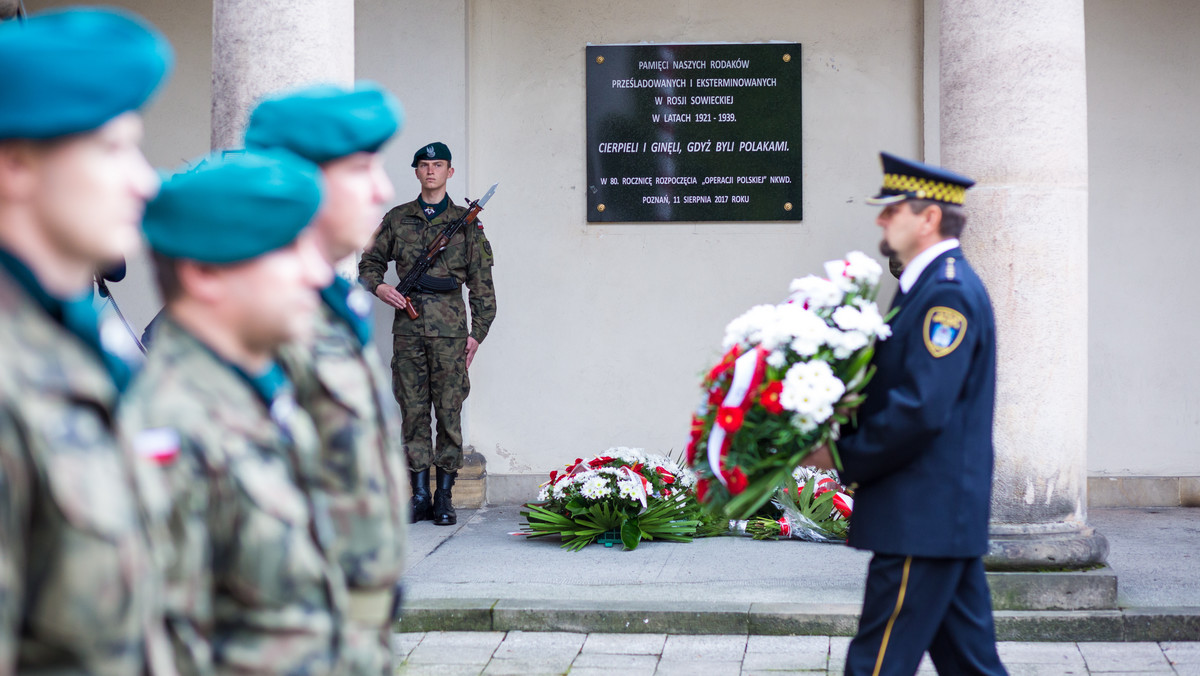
(944, 330)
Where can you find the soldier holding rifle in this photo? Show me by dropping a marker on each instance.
(433, 349)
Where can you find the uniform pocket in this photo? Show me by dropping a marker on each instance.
(274, 561)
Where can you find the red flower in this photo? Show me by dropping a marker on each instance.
(729, 418)
(599, 462)
(667, 477)
(691, 452)
(770, 397)
(702, 490)
(715, 396)
(725, 364)
(737, 480)
(553, 477)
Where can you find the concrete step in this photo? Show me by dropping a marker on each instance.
(774, 619)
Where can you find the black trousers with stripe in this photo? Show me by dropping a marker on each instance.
(915, 604)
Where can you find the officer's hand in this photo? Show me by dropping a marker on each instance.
(388, 294)
(820, 458)
(472, 345)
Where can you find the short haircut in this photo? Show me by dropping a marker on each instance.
(954, 218)
(167, 275)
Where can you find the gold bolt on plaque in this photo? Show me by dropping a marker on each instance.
(787, 206)
(600, 59)
(787, 58)
(599, 207)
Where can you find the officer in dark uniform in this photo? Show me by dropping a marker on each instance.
(922, 451)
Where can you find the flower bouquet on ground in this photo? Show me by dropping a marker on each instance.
(791, 375)
(625, 492)
(816, 508)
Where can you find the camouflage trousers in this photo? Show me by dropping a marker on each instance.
(431, 372)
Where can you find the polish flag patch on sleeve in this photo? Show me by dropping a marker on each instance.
(159, 445)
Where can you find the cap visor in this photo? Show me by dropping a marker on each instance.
(879, 200)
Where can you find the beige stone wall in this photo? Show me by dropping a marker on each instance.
(1144, 164)
(603, 329)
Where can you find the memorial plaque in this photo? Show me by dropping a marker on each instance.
(693, 132)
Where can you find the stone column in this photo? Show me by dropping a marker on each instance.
(1014, 118)
(262, 46)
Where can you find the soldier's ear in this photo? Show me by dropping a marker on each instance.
(931, 219)
(17, 174)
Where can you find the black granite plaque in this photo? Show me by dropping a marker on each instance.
(693, 132)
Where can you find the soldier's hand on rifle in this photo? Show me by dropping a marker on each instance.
(388, 294)
(472, 346)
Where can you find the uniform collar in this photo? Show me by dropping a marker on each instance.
(76, 315)
(352, 305)
(912, 271)
(432, 211)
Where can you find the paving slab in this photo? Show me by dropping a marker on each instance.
(705, 648)
(1147, 658)
(625, 644)
(616, 664)
(694, 667)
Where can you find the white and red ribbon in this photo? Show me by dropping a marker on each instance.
(745, 370)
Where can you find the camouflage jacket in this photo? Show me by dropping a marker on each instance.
(341, 384)
(406, 234)
(251, 587)
(79, 587)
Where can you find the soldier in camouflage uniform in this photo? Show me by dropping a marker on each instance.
(79, 586)
(431, 354)
(252, 585)
(339, 379)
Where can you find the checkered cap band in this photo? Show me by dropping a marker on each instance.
(925, 189)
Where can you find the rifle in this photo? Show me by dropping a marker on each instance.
(418, 270)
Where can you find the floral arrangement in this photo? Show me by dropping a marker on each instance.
(819, 512)
(633, 495)
(792, 374)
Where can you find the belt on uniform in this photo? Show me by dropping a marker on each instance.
(371, 606)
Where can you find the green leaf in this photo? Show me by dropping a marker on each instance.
(631, 534)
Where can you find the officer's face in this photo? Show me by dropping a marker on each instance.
(356, 192)
(902, 231)
(90, 190)
(274, 296)
(433, 174)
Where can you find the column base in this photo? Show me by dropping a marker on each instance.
(1071, 550)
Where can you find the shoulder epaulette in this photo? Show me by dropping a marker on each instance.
(949, 273)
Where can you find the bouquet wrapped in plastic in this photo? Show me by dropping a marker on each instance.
(791, 375)
(817, 509)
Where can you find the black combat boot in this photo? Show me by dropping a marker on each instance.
(443, 505)
(422, 502)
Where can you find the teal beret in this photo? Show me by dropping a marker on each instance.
(71, 71)
(326, 122)
(434, 151)
(233, 208)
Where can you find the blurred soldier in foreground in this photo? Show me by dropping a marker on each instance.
(339, 380)
(79, 591)
(431, 354)
(252, 588)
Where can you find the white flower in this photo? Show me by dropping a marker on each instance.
(864, 317)
(685, 478)
(810, 388)
(804, 423)
(630, 455)
(544, 493)
(560, 488)
(595, 488)
(846, 343)
(777, 359)
(630, 490)
(747, 329)
(836, 272)
(815, 292)
(863, 268)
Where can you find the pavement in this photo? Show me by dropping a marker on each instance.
(480, 600)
